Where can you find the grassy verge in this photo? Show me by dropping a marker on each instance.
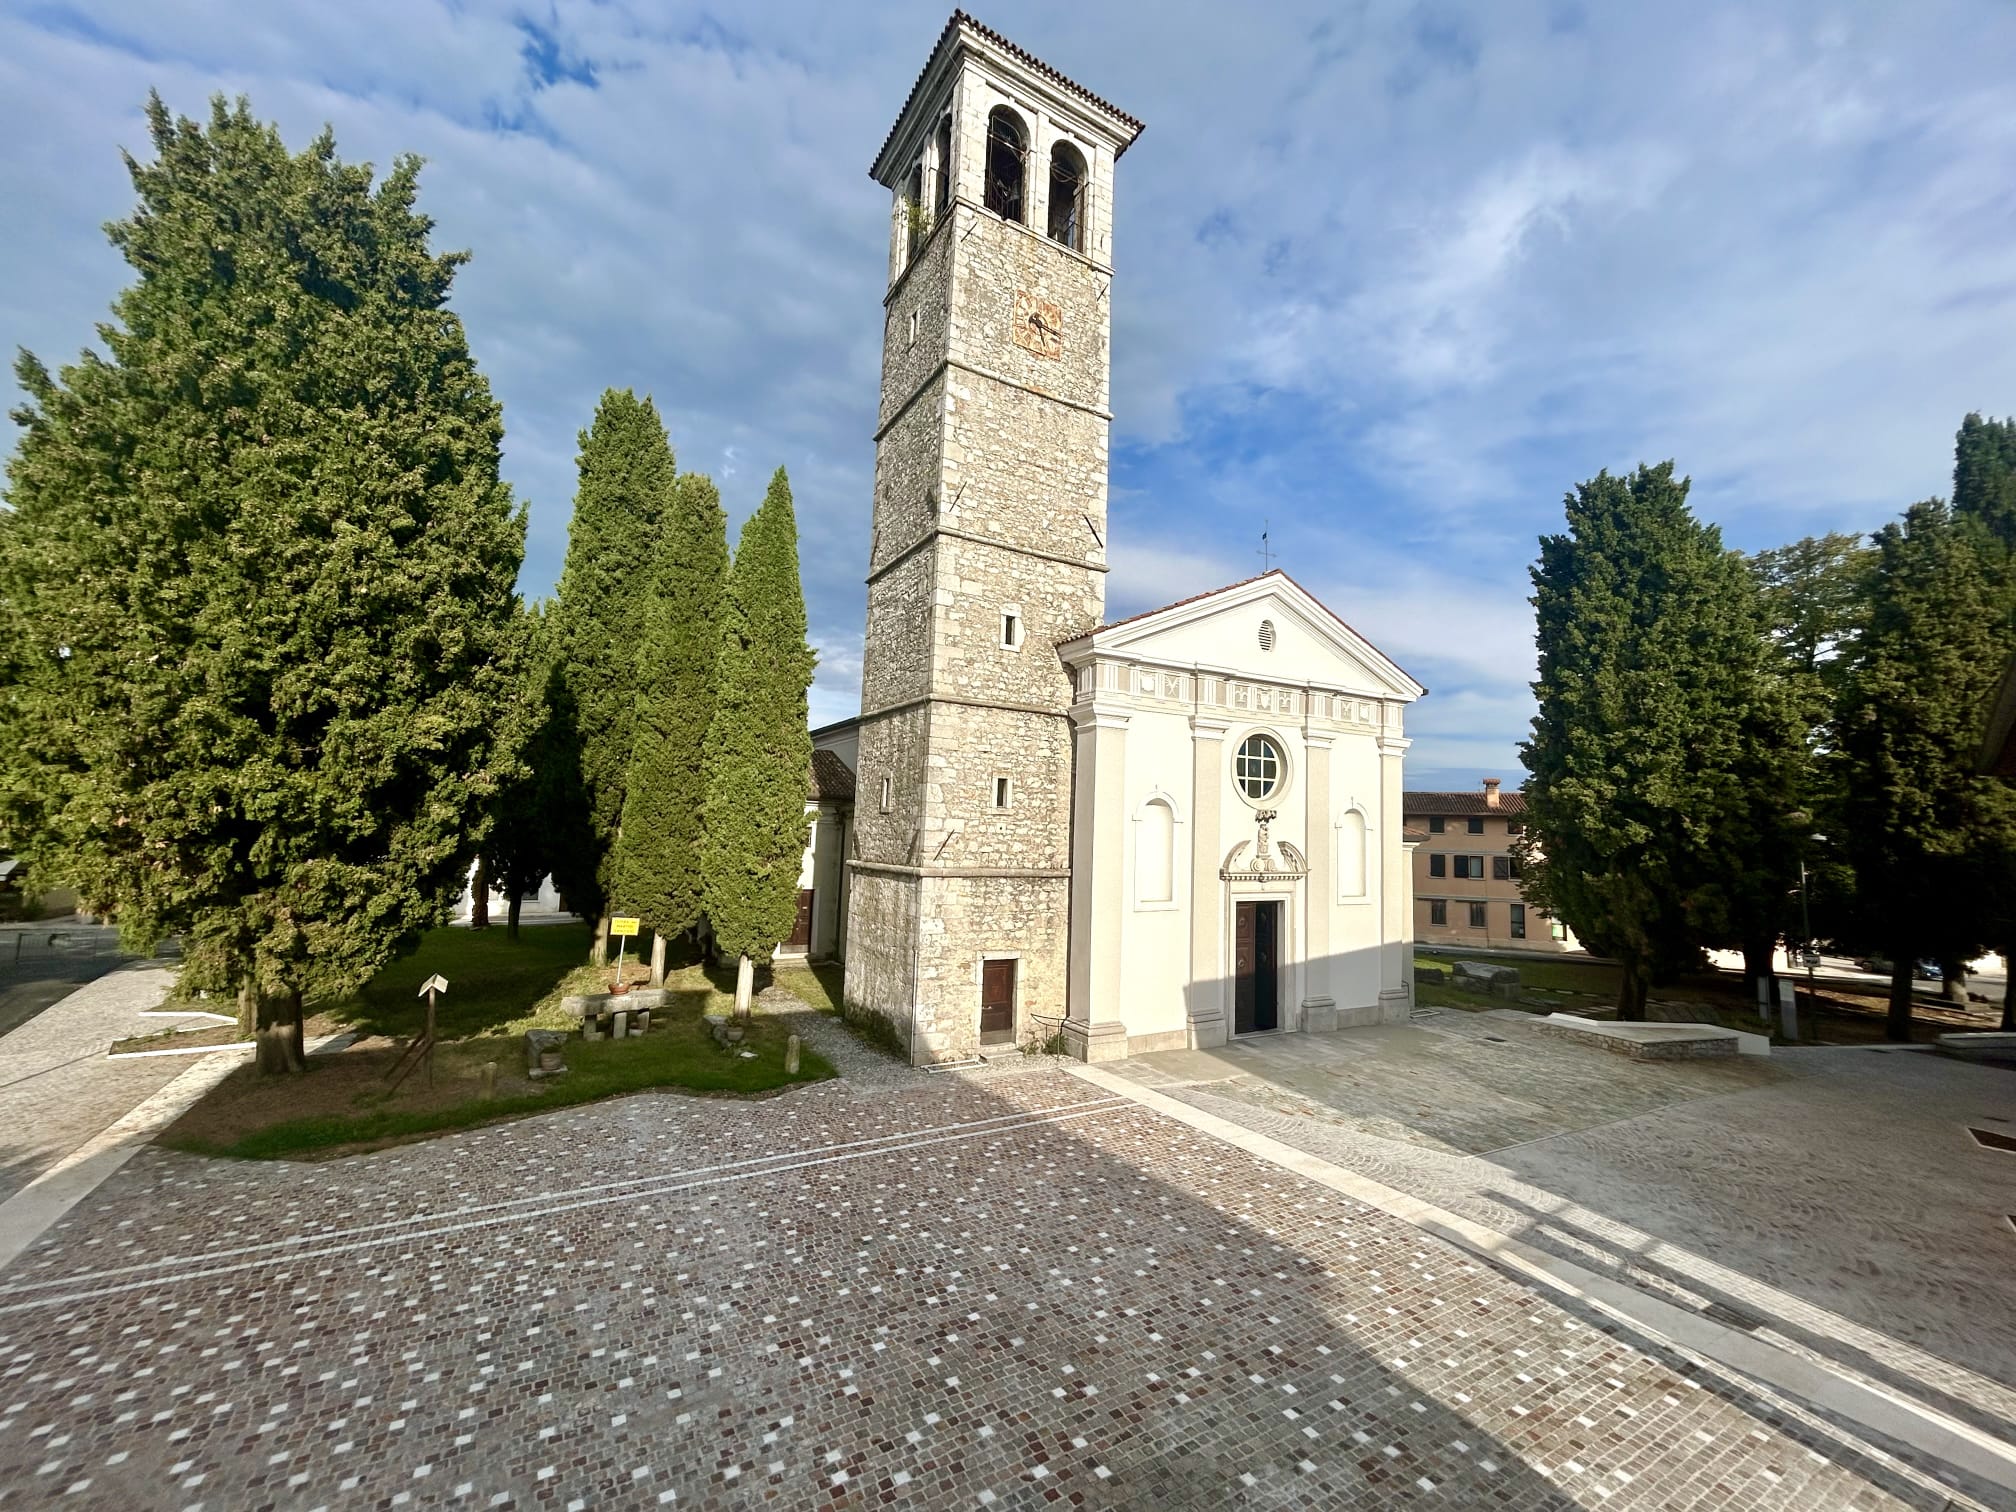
(343, 1104)
(495, 985)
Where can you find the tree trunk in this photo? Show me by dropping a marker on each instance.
(1898, 1025)
(599, 955)
(511, 916)
(1760, 964)
(2008, 997)
(479, 896)
(248, 1010)
(1953, 980)
(745, 986)
(1632, 990)
(658, 952)
(278, 1051)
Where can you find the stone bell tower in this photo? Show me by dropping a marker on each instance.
(989, 543)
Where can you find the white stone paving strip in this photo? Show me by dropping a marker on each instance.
(28, 1214)
(1859, 1402)
(339, 1240)
(200, 1269)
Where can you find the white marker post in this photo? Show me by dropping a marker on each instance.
(623, 929)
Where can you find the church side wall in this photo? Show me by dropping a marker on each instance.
(967, 919)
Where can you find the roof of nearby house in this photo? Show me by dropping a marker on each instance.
(1413, 836)
(832, 778)
(1465, 804)
(959, 19)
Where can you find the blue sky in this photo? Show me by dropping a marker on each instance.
(1390, 276)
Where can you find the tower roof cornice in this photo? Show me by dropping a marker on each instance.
(964, 30)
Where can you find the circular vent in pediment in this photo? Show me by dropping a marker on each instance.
(1266, 635)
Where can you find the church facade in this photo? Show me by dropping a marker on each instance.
(1154, 833)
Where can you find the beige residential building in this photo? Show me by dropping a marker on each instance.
(1466, 877)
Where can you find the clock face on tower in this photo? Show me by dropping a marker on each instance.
(1038, 325)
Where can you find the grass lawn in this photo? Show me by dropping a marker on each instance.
(497, 988)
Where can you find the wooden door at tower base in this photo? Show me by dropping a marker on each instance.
(997, 1002)
(1256, 967)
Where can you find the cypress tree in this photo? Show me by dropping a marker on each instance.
(1918, 823)
(665, 791)
(759, 749)
(258, 578)
(540, 814)
(625, 489)
(1649, 644)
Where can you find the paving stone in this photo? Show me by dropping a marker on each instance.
(1000, 1290)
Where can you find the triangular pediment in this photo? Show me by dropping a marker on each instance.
(1268, 627)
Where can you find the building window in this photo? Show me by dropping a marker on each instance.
(1515, 826)
(1067, 196)
(1011, 629)
(1002, 789)
(887, 787)
(1438, 912)
(913, 328)
(1007, 145)
(1476, 826)
(1518, 921)
(943, 197)
(1502, 869)
(1438, 866)
(1266, 635)
(1436, 825)
(1478, 917)
(1155, 853)
(1257, 767)
(1471, 867)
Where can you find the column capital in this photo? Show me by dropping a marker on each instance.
(1093, 718)
(1203, 727)
(1393, 745)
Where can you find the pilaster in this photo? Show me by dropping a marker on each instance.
(1319, 845)
(1396, 926)
(1209, 1020)
(1098, 880)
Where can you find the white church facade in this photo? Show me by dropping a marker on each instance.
(1160, 832)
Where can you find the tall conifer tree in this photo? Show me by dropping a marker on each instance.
(658, 874)
(1649, 644)
(1917, 821)
(259, 577)
(625, 489)
(759, 750)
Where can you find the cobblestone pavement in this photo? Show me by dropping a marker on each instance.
(988, 1290)
(1832, 1194)
(57, 1089)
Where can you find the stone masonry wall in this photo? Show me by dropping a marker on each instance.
(896, 652)
(963, 919)
(1054, 600)
(882, 945)
(996, 259)
(924, 291)
(908, 474)
(892, 746)
(970, 747)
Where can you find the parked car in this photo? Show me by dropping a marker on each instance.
(1928, 971)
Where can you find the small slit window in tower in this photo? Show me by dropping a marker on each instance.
(1067, 196)
(1007, 146)
(913, 328)
(1001, 792)
(1011, 631)
(1266, 635)
(887, 793)
(942, 199)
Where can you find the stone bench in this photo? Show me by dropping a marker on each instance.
(604, 1015)
(1654, 1041)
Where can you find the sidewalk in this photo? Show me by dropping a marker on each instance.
(58, 1090)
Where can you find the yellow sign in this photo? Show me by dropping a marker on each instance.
(623, 926)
